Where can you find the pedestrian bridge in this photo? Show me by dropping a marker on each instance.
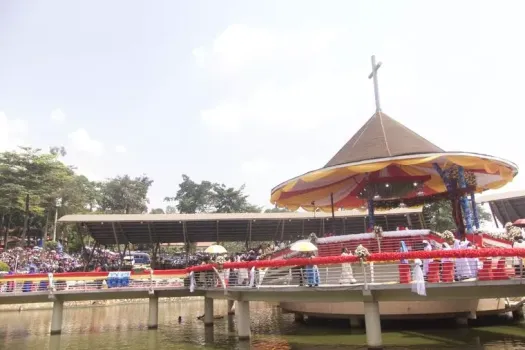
(379, 277)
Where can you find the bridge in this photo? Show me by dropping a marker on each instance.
(378, 277)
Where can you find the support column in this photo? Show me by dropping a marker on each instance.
(243, 320)
(371, 217)
(56, 319)
(464, 202)
(208, 312)
(231, 308)
(373, 325)
(474, 210)
(153, 316)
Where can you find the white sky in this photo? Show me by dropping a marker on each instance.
(255, 92)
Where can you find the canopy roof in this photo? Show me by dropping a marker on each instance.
(177, 228)
(382, 137)
(506, 206)
(386, 154)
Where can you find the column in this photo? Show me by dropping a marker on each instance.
(373, 325)
(208, 312)
(243, 320)
(371, 217)
(153, 317)
(56, 319)
(231, 313)
(231, 308)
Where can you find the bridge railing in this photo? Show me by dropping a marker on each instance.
(85, 281)
(440, 266)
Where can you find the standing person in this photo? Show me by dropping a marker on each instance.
(347, 274)
(312, 274)
(426, 262)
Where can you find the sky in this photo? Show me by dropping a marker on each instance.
(254, 92)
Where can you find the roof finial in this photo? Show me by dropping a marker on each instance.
(373, 75)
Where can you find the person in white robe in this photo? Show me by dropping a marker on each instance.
(473, 263)
(426, 262)
(347, 274)
(462, 264)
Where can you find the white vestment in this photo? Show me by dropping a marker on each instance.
(347, 274)
(462, 264)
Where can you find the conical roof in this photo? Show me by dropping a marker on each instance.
(382, 137)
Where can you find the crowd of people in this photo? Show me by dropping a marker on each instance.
(39, 260)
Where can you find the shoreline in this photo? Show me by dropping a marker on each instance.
(87, 303)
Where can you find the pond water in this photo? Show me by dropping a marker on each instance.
(124, 327)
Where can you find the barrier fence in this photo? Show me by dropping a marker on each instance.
(439, 266)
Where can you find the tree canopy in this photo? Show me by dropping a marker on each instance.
(209, 197)
(441, 219)
(36, 186)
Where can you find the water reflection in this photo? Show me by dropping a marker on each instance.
(124, 327)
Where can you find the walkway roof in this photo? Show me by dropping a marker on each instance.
(506, 206)
(176, 228)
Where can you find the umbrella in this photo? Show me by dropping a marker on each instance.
(303, 247)
(215, 249)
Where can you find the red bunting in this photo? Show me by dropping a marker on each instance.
(378, 257)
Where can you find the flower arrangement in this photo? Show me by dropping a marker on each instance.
(448, 236)
(220, 262)
(453, 175)
(362, 253)
(378, 232)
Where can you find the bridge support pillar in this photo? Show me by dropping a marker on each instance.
(243, 320)
(153, 315)
(231, 307)
(56, 318)
(373, 325)
(208, 312)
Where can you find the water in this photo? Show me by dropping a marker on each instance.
(124, 327)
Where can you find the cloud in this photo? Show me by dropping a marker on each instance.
(241, 46)
(120, 149)
(256, 167)
(58, 116)
(303, 104)
(276, 77)
(13, 132)
(82, 141)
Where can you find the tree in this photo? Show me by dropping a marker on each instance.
(30, 180)
(441, 219)
(193, 197)
(231, 200)
(124, 195)
(208, 197)
(157, 211)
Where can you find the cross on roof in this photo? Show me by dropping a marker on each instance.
(373, 75)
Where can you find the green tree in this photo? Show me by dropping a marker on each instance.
(124, 195)
(231, 200)
(30, 180)
(157, 211)
(193, 197)
(440, 215)
(209, 197)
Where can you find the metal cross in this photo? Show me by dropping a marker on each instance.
(373, 75)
